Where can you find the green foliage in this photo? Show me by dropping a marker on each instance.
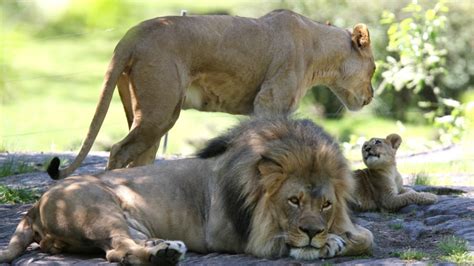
(396, 226)
(422, 179)
(89, 14)
(410, 254)
(13, 166)
(416, 45)
(455, 250)
(15, 196)
(416, 63)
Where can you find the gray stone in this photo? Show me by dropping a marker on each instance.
(439, 219)
(415, 229)
(412, 208)
(460, 207)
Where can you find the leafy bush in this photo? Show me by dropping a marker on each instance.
(416, 59)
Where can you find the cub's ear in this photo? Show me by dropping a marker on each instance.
(360, 36)
(395, 140)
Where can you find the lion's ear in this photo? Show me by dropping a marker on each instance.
(395, 140)
(361, 36)
(272, 175)
(268, 166)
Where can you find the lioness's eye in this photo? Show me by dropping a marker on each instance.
(294, 201)
(377, 141)
(326, 205)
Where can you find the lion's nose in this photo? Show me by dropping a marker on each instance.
(311, 231)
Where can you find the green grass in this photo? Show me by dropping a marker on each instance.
(13, 166)
(410, 254)
(422, 179)
(396, 226)
(15, 196)
(455, 250)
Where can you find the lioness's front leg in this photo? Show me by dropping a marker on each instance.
(279, 94)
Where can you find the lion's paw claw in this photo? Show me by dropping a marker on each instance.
(335, 245)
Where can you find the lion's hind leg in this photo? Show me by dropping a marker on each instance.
(151, 251)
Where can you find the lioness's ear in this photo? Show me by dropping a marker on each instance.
(395, 140)
(361, 36)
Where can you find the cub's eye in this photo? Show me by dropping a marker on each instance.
(326, 205)
(294, 201)
(378, 141)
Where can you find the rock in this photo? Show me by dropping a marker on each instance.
(439, 190)
(438, 219)
(412, 208)
(415, 229)
(460, 207)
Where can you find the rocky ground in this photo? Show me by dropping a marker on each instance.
(416, 229)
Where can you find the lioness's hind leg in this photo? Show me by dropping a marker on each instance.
(158, 94)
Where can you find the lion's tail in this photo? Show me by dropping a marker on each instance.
(120, 60)
(20, 240)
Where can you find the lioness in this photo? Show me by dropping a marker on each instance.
(227, 64)
(276, 187)
(380, 185)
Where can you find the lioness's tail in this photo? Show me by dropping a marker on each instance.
(120, 60)
(20, 240)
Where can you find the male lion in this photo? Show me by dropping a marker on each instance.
(275, 187)
(380, 185)
(227, 64)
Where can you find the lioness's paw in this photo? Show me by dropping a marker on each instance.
(167, 252)
(429, 198)
(334, 246)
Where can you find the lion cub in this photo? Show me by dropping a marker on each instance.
(379, 186)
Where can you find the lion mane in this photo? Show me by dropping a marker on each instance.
(293, 145)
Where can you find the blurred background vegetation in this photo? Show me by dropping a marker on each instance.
(54, 54)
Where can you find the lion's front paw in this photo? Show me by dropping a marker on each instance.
(166, 252)
(334, 246)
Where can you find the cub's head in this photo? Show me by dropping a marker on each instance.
(379, 153)
(285, 184)
(353, 85)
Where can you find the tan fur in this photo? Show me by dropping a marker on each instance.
(226, 64)
(237, 200)
(380, 185)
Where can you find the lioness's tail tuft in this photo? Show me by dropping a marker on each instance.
(214, 147)
(53, 168)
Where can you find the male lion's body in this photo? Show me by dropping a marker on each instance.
(275, 187)
(228, 64)
(380, 185)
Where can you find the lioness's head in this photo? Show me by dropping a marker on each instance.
(353, 82)
(379, 153)
(285, 182)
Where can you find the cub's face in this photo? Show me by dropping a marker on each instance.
(379, 153)
(353, 85)
(308, 209)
